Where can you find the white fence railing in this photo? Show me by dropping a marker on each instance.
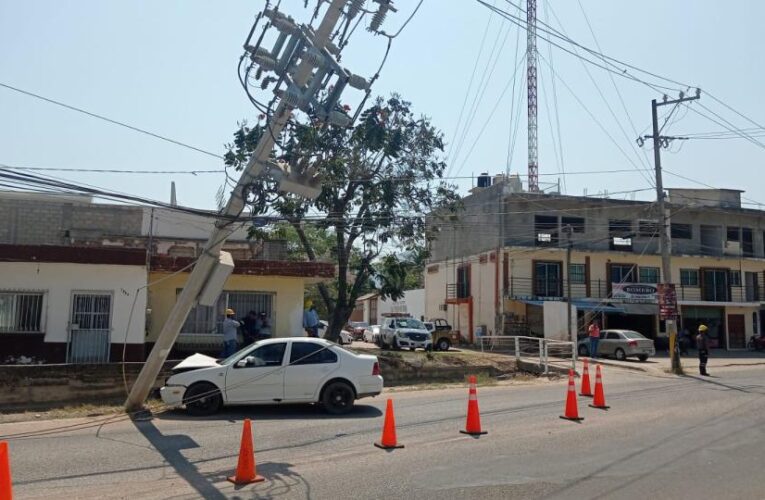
(546, 351)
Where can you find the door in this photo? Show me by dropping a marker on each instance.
(609, 341)
(261, 379)
(736, 331)
(90, 328)
(310, 365)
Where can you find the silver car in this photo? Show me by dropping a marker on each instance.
(619, 344)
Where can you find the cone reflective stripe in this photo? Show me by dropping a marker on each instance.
(586, 389)
(473, 424)
(571, 411)
(388, 439)
(6, 492)
(245, 467)
(600, 398)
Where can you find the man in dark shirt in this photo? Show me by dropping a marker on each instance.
(250, 328)
(702, 343)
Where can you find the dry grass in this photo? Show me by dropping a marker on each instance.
(84, 410)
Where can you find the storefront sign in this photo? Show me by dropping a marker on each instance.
(634, 292)
(667, 301)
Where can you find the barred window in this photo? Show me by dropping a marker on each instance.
(576, 273)
(209, 319)
(21, 312)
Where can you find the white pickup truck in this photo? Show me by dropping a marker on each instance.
(404, 333)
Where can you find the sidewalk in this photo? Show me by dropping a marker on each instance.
(690, 361)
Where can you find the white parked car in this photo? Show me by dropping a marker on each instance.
(345, 337)
(371, 334)
(275, 371)
(405, 333)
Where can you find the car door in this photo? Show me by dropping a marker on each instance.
(258, 375)
(609, 343)
(310, 365)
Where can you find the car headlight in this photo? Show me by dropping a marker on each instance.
(401, 335)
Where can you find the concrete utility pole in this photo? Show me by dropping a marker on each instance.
(224, 226)
(569, 306)
(664, 234)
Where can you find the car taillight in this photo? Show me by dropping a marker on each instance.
(376, 368)
(632, 343)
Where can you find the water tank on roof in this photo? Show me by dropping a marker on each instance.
(484, 180)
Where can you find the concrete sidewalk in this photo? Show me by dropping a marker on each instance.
(690, 362)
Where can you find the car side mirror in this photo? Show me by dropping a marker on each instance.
(248, 361)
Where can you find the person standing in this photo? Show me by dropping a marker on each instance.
(594, 331)
(264, 326)
(684, 339)
(250, 328)
(230, 329)
(311, 320)
(702, 344)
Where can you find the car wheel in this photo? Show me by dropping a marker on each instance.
(202, 399)
(443, 344)
(338, 398)
(619, 354)
(583, 350)
(396, 347)
(643, 357)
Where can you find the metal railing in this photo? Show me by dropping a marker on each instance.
(546, 351)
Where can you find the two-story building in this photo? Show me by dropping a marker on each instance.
(501, 264)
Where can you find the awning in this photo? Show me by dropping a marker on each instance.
(584, 305)
(640, 309)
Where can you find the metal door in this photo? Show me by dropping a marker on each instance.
(736, 331)
(90, 328)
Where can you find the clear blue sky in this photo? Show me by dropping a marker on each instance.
(170, 67)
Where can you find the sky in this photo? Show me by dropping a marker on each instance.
(170, 67)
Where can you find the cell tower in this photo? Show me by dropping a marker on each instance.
(531, 79)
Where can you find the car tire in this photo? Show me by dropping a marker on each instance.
(338, 398)
(202, 399)
(583, 350)
(619, 354)
(643, 357)
(395, 345)
(443, 344)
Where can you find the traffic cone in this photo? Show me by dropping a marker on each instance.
(572, 412)
(586, 389)
(473, 425)
(6, 492)
(388, 440)
(599, 401)
(245, 468)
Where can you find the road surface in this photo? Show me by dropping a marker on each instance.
(679, 437)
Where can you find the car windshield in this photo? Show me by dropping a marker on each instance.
(409, 323)
(632, 335)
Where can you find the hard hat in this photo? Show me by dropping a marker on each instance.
(703, 328)
(308, 303)
(230, 312)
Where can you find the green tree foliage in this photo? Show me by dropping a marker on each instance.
(379, 180)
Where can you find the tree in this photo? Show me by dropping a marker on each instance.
(380, 178)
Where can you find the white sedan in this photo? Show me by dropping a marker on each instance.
(275, 371)
(371, 334)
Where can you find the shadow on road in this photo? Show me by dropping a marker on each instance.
(170, 446)
(274, 412)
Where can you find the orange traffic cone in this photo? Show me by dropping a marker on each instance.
(586, 389)
(245, 468)
(600, 398)
(572, 412)
(473, 425)
(6, 492)
(388, 440)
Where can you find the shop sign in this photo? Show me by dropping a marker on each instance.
(667, 301)
(634, 292)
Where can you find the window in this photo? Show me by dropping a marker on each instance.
(308, 353)
(576, 223)
(613, 336)
(463, 281)
(576, 273)
(546, 229)
(716, 287)
(618, 227)
(547, 279)
(682, 231)
(649, 275)
(91, 311)
(268, 355)
(209, 319)
(752, 287)
(733, 233)
(623, 273)
(689, 277)
(21, 312)
(735, 278)
(747, 243)
(648, 228)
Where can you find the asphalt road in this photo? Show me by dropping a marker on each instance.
(678, 437)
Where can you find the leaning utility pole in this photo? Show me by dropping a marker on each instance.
(531, 88)
(569, 306)
(664, 234)
(313, 48)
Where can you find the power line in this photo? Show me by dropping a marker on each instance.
(111, 120)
